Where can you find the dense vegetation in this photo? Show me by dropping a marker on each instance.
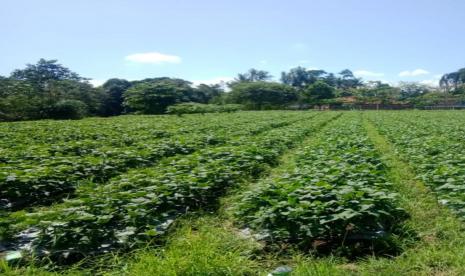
(433, 144)
(48, 90)
(336, 194)
(234, 193)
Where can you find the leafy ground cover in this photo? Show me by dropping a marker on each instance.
(140, 204)
(432, 143)
(44, 175)
(336, 196)
(301, 193)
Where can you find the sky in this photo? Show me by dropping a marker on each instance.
(210, 40)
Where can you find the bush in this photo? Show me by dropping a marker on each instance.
(68, 109)
(192, 108)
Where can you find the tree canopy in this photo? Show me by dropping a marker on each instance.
(43, 72)
(153, 96)
(114, 92)
(262, 95)
(453, 81)
(317, 91)
(253, 75)
(48, 89)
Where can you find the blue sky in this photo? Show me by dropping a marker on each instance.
(391, 40)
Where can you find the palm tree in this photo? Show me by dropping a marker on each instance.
(253, 75)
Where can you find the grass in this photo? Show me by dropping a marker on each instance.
(206, 246)
(202, 246)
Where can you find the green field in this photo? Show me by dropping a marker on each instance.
(320, 193)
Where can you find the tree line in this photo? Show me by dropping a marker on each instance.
(48, 90)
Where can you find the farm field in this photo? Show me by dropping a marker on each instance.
(246, 193)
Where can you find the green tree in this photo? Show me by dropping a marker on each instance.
(18, 100)
(410, 90)
(331, 80)
(348, 80)
(34, 92)
(44, 71)
(452, 81)
(317, 92)
(206, 93)
(68, 109)
(460, 90)
(297, 77)
(430, 99)
(114, 90)
(262, 95)
(154, 96)
(84, 92)
(376, 92)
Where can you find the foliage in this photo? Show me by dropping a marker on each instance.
(207, 93)
(430, 99)
(140, 205)
(253, 75)
(376, 92)
(413, 89)
(119, 185)
(262, 95)
(43, 72)
(154, 96)
(347, 80)
(432, 145)
(68, 109)
(192, 108)
(114, 90)
(47, 173)
(452, 81)
(33, 92)
(316, 92)
(300, 77)
(336, 195)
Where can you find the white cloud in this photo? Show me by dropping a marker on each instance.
(218, 80)
(222, 81)
(96, 83)
(431, 82)
(434, 81)
(303, 61)
(414, 73)
(263, 62)
(365, 73)
(153, 57)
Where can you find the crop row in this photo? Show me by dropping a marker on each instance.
(432, 143)
(141, 204)
(31, 183)
(336, 195)
(80, 138)
(102, 129)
